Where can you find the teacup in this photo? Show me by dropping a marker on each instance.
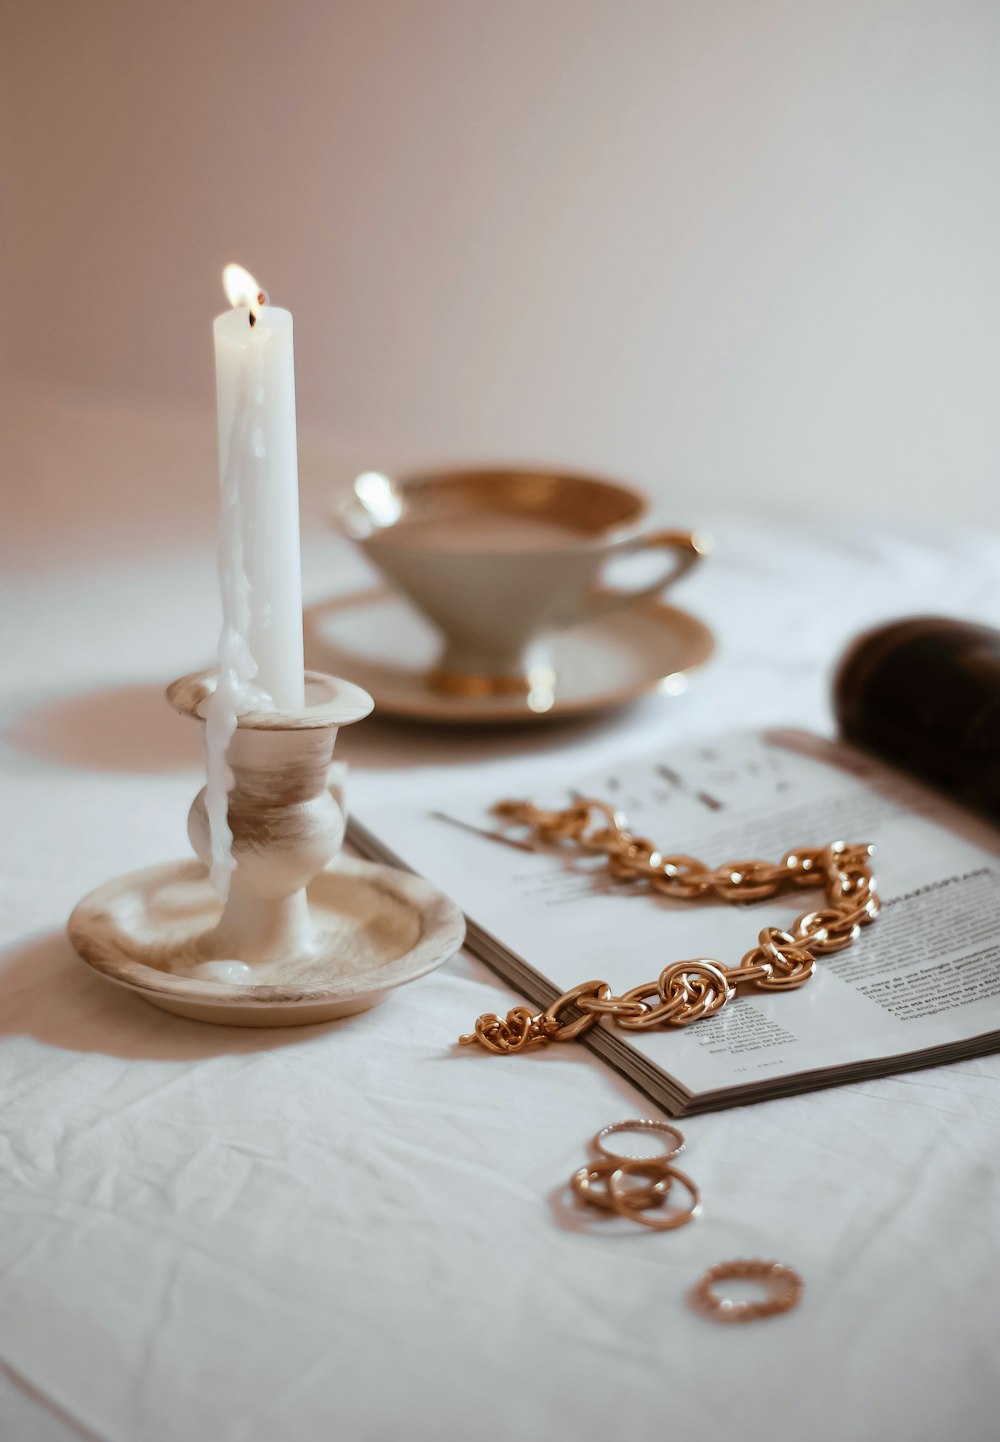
(500, 559)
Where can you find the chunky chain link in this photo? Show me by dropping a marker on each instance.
(687, 991)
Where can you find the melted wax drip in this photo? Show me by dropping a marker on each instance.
(235, 693)
(226, 973)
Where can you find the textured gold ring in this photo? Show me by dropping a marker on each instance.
(783, 1289)
(643, 1124)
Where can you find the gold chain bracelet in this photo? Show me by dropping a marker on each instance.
(686, 991)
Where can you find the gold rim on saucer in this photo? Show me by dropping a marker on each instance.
(375, 639)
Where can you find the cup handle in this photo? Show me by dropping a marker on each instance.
(687, 548)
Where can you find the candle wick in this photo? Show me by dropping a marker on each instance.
(262, 299)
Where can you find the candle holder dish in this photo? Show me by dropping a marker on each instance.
(315, 935)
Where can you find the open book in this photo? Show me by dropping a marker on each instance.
(920, 986)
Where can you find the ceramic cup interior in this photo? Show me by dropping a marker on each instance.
(498, 559)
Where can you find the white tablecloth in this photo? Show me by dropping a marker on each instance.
(357, 1231)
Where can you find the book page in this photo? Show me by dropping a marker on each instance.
(925, 974)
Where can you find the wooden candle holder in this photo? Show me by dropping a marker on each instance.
(306, 934)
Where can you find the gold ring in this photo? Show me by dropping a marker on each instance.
(584, 1182)
(783, 1289)
(640, 1125)
(623, 1201)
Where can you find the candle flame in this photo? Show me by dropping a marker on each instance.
(242, 289)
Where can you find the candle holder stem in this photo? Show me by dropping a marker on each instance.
(257, 929)
(286, 826)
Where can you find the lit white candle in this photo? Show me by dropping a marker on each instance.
(255, 380)
(260, 647)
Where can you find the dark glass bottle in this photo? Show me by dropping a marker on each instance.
(925, 694)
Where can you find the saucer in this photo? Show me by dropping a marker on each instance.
(375, 639)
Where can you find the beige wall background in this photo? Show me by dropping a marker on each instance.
(742, 251)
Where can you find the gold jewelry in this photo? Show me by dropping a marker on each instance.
(783, 1286)
(644, 1124)
(590, 1182)
(602, 1182)
(626, 1204)
(686, 991)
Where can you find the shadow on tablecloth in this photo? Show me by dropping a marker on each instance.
(47, 992)
(115, 728)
